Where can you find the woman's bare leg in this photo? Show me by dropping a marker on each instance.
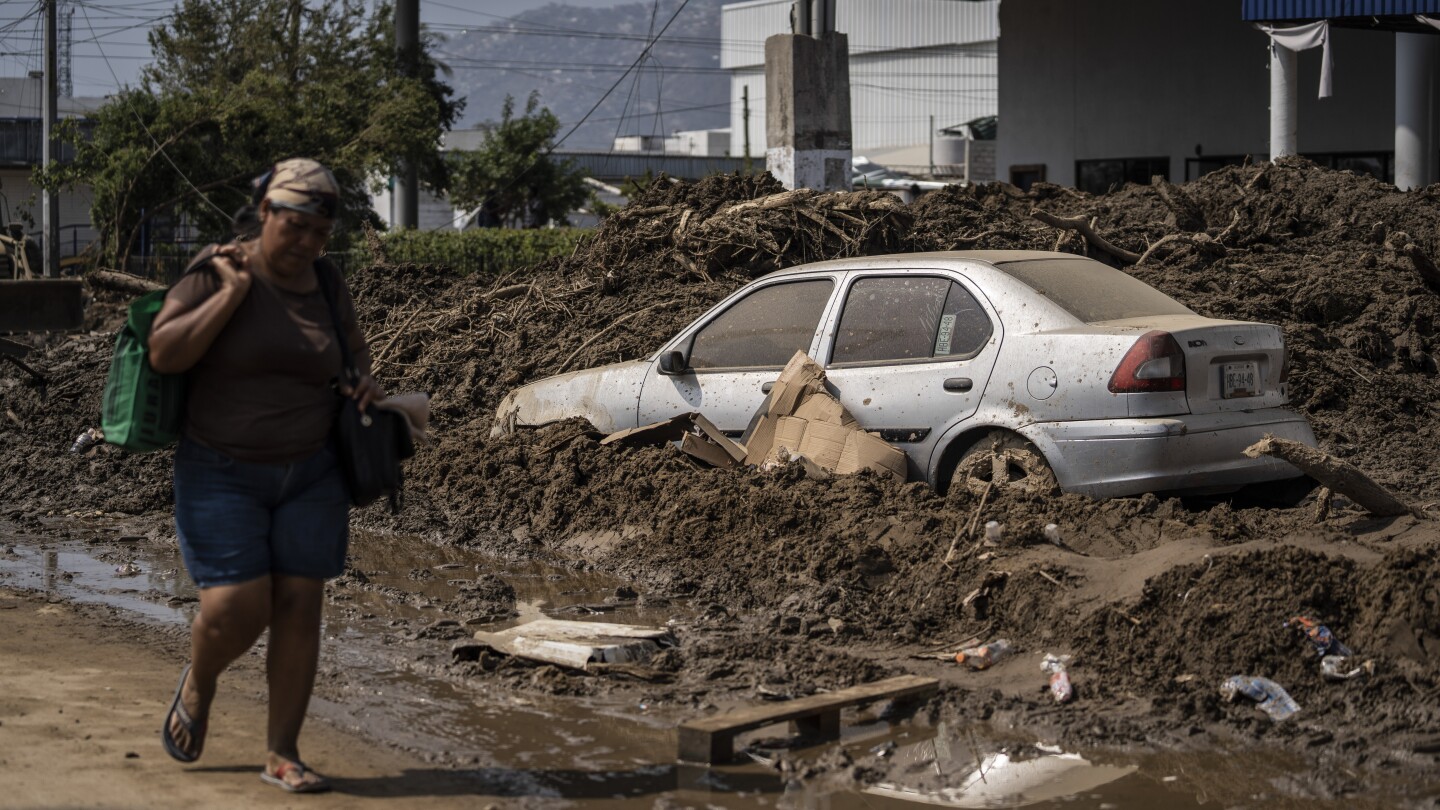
(294, 653)
(231, 618)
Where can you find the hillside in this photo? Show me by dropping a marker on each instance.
(572, 55)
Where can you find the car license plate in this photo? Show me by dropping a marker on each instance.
(1241, 379)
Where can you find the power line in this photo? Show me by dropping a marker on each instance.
(153, 139)
(645, 52)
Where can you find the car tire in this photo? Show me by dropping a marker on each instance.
(1004, 460)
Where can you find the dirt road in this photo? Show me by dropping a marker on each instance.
(81, 700)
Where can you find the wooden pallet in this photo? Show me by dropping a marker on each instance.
(711, 740)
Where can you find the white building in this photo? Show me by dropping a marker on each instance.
(21, 109)
(1099, 93)
(698, 142)
(916, 66)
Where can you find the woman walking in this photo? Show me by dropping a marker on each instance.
(260, 506)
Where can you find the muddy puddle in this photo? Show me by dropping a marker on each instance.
(383, 675)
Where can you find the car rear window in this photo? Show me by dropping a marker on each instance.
(1091, 291)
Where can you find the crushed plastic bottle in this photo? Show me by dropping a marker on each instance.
(993, 533)
(1343, 668)
(1052, 533)
(1269, 696)
(984, 656)
(86, 439)
(1320, 636)
(1060, 687)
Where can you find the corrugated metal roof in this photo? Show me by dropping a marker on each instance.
(1258, 10)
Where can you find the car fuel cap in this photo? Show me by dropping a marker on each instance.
(1043, 382)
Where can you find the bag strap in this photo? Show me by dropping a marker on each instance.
(347, 360)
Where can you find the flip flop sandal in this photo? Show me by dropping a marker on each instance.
(278, 779)
(195, 730)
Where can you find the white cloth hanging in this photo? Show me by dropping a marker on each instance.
(1303, 38)
(1432, 23)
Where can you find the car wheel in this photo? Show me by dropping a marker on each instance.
(1004, 460)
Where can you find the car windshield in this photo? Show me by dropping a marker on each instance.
(1091, 291)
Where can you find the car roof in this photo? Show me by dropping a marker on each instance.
(929, 260)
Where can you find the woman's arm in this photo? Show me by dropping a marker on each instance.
(182, 332)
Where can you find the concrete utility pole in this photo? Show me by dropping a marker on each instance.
(1415, 64)
(407, 44)
(1284, 94)
(50, 151)
(807, 101)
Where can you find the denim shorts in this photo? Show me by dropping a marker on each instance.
(240, 520)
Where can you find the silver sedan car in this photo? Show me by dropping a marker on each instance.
(986, 367)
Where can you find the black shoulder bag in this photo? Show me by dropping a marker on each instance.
(372, 444)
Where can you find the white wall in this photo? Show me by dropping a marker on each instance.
(16, 187)
(909, 60)
(1138, 78)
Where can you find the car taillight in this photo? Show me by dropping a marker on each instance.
(1154, 363)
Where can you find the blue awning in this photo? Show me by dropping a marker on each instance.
(1390, 13)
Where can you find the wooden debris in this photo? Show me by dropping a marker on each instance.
(1340, 476)
(1429, 273)
(1079, 225)
(512, 291)
(623, 318)
(1126, 616)
(122, 282)
(711, 740)
(1323, 499)
(1185, 213)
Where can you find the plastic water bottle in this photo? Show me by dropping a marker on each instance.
(993, 532)
(1060, 687)
(1052, 533)
(1269, 696)
(984, 656)
(1343, 668)
(1320, 637)
(84, 441)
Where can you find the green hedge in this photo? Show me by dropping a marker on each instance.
(487, 251)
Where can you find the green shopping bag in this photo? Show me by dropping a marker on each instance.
(142, 408)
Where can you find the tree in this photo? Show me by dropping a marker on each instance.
(512, 178)
(237, 85)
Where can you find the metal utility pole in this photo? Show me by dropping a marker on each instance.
(745, 118)
(932, 146)
(49, 202)
(407, 46)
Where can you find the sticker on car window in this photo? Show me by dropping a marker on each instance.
(942, 338)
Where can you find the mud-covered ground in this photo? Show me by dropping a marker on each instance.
(802, 585)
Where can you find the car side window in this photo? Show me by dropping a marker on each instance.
(763, 329)
(964, 326)
(909, 318)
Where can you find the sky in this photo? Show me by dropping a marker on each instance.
(108, 44)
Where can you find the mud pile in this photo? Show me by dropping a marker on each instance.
(811, 584)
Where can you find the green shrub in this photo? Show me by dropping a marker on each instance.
(486, 251)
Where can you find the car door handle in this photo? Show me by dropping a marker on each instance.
(959, 384)
(765, 389)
